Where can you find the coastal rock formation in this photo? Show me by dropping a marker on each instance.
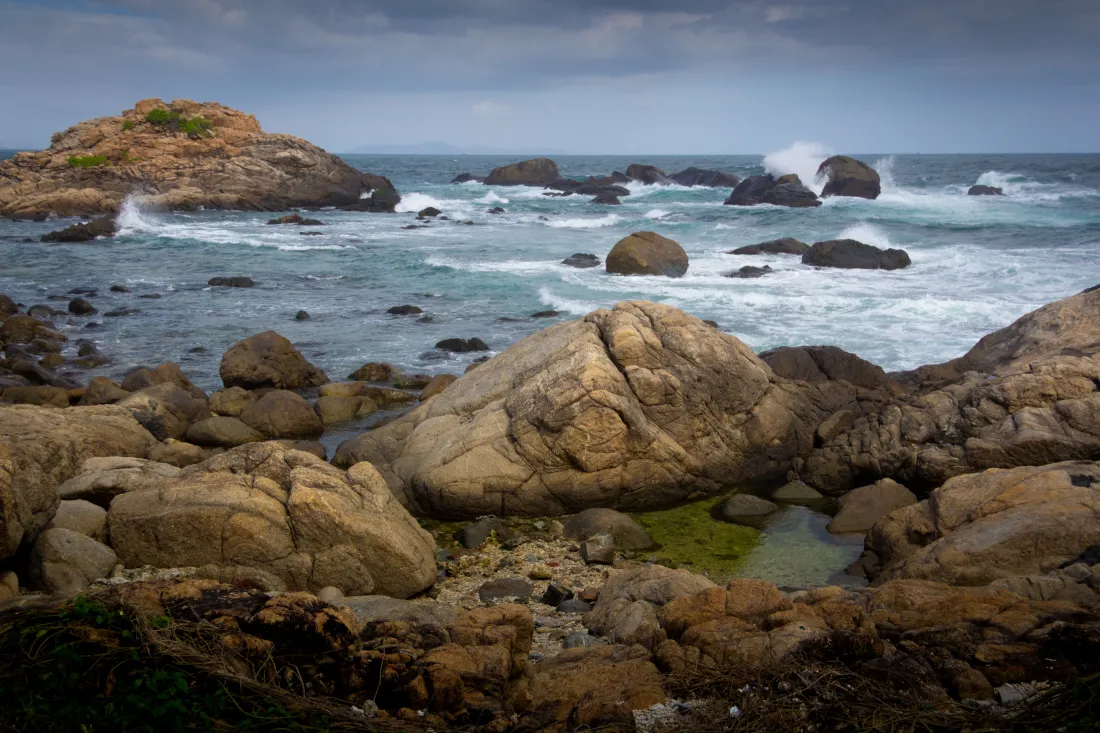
(748, 272)
(995, 524)
(582, 260)
(767, 189)
(640, 406)
(703, 177)
(849, 177)
(647, 253)
(828, 364)
(850, 254)
(41, 447)
(648, 174)
(182, 155)
(985, 191)
(282, 518)
(1026, 395)
(784, 246)
(860, 508)
(104, 226)
(268, 360)
(534, 172)
(468, 178)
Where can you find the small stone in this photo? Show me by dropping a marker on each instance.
(598, 549)
(573, 605)
(301, 316)
(540, 572)
(331, 594)
(545, 622)
(579, 639)
(81, 307)
(505, 588)
(404, 310)
(555, 594)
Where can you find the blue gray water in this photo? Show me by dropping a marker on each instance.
(978, 263)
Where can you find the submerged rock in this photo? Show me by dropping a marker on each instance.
(767, 189)
(784, 246)
(462, 346)
(985, 191)
(703, 177)
(582, 260)
(749, 272)
(192, 155)
(648, 174)
(849, 177)
(467, 178)
(104, 226)
(850, 254)
(231, 282)
(747, 509)
(647, 253)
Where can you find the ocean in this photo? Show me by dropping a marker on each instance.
(978, 263)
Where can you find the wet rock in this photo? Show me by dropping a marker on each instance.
(534, 172)
(546, 314)
(404, 310)
(648, 174)
(849, 177)
(120, 289)
(431, 211)
(496, 210)
(301, 316)
(383, 200)
(985, 191)
(24, 329)
(784, 246)
(769, 190)
(436, 385)
(647, 253)
(374, 372)
(850, 254)
(81, 307)
(749, 272)
(747, 509)
(606, 200)
(703, 177)
(556, 594)
(467, 178)
(268, 360)
(64, 561)
(861, 508)
(231, 282)
(582, 260)
(598, 548)
(282, 414)
(625, 532)
(122, 312)
(462, 346)
(505, 589)
(104, 226)
(573, 605)
(296, 219)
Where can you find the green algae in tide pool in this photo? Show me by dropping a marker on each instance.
(689, 535)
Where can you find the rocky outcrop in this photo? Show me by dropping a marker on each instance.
(534, 172)
(985, 191)
(42, 447)
(468, 178)
(268, 360)
(784, 246)
(828, 364)
(1026, 395)
(182, 155)
(104, 226)
(647, 253)
(640, 406)
(768, 189)
(849, 177)
(648, 174)
(702, 177)
(995, 524)
(859, 509)
(850, 254)
(281, 519)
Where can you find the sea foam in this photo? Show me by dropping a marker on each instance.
(801, 157)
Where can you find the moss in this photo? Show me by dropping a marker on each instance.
(90, 161)
(690, 536)
(128, 125)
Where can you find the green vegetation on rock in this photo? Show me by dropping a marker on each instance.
(90, 161)
(128, 125)
(173, 122)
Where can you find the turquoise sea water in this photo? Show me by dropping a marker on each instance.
(978, 263)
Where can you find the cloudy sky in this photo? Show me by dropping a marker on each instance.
(585, 76)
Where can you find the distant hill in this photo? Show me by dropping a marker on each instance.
(441, 148)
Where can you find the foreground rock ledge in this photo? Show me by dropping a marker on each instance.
(640, 406)
(228, 162)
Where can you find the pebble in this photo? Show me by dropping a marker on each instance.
(574, 605)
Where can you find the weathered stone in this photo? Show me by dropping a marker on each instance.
(282, 414)
(64, 561)
(582, 260)
(103, 391)
(374, 372)
(505, 588)
(102, 479)
(177, 453)
(849, 177)
(783, 246)
(437, 384)
(534, 172)
(82, 517)
(796, 492)
(341, 409)
(747, 509)
(702, 177)
(285, 515)
(385, 608)
(230, 402)
(626, 533)
(268, 360)
(828, 364)
(42, 447)
(850, 254)
(985, 191)
(222, 432)
(599, 548)
(165, 410)
(647, 253)
(862, 507)
(37, 395)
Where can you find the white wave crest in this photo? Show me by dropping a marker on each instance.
(558, 303)
(604, 221)
(491, 198)
(803, 158)
(416, 202)
(656, 214)
(885, 169)
(131, 218)
(868, 234)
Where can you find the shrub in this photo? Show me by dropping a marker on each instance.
(196, 127)
(172, 121)
(128, 125)
(90, 161)
(162, 117)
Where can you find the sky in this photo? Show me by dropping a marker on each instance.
(583, 76)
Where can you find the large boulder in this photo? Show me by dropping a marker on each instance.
(647, 253)
(282, 518)
(100, 480)
(268, 360)
(767, 189)
(628, 534)
(181, 155)
(534, 172)
(640, 406)
(42, 447)
(828, 363)
(1026, 395)
(64, 561)
(860, 508)
(282, 414)
(648, 174)
(103, 226)
(849, 177)
(703, 177)
(996, 524)
(850, 254)
(165, 410)
(222, 432)
(167, 373)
